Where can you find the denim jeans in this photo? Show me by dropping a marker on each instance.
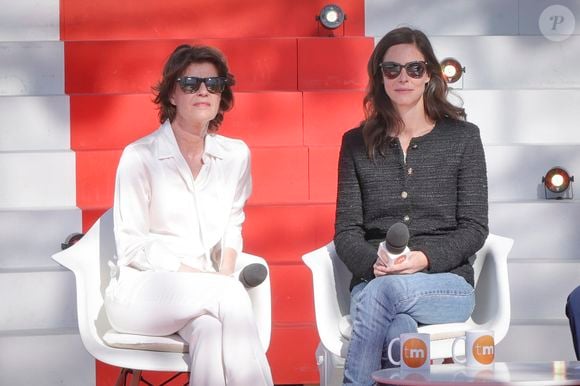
(390, 305)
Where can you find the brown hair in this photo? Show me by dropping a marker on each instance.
(177, 63)
(382, 121)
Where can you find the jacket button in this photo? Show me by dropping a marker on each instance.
(404, 195)
(406, 219)
(410, 171)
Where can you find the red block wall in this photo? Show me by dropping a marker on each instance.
(297, 91)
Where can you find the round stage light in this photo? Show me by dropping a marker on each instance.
(557, 180)
(331, 16)
(452, 70)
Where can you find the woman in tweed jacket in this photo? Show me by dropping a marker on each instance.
(414, 159)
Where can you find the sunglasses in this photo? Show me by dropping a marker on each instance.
(214, 84)
(416, 69)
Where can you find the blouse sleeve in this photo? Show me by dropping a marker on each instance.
(135, 247)
(233, 233)
(349, 240)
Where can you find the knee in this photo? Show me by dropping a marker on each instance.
(235, 295)
(383, 290)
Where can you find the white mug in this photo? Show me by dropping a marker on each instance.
(414, 351)
(479, 348)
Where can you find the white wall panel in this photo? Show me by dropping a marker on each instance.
(543, 229)
(515, 172)
(29, 237)
(539, 117)
(539, 289)
(536, 343)
(29, 20)
(443, 17)
(37, 300)
(513, 62)
(34, 123)
(31, 68)
(530, 11)
(37, 179)
(45, 360)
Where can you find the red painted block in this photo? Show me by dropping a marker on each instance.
(96, 178)
(102, 122)
(280, 175)
(90, 216)
(328, 114)
(265, 119)
(323, 173)
(113, 67)
(282, 234)
(169, 19)
(292, 354)
(333, 63)
(292, 297)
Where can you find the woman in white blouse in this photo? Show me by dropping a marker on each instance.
(178, 213)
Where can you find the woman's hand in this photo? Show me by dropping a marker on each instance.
(414, 261)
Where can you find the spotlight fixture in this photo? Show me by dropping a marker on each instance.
(71, 240)
(558, 184)
(331, 16)
(452, 70)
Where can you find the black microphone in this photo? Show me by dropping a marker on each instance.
(253, 275)
(396, 241)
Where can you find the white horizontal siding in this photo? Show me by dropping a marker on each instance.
(34, 123)
(29, 20)
(29, 237)
(37, 179)
(38, 300)
(32, 68)
(548, 342)
(540, 117)
(44, 358)
(531, 10)
(539, 289)
(545, 230)
(515, 172)
(443, 17)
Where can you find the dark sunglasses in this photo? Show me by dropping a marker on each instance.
(214, 84)
(416, 69)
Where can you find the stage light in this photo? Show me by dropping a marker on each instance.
(452, 70)
(71, 240)
(331, 16)
(558, 184)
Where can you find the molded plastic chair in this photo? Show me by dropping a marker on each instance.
(331, 280)
(88, 259)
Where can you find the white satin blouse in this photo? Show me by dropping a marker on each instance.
(164, 217)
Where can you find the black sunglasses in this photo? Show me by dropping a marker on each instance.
(214, 84)
(415, 69)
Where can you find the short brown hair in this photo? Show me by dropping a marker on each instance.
(177, 63)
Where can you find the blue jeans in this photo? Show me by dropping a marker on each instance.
(390, 305)
(573, 314)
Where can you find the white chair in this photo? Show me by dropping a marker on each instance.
(331, 280)
(88, 260)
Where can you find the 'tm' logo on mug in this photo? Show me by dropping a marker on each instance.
(483, 349)
(414, 352)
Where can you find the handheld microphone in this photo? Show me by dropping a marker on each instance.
(253, 275)
(395, 243)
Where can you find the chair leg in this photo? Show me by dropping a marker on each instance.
(172, 378)
(122, 378)
(136, 378)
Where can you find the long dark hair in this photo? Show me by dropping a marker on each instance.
(177, 63)
(382, 121)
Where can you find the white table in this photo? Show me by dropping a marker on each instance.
(510, 373)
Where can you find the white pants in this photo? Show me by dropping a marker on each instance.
(212, 312)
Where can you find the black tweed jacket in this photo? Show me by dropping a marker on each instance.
(439, 191)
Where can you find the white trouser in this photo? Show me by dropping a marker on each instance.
(212, 312)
